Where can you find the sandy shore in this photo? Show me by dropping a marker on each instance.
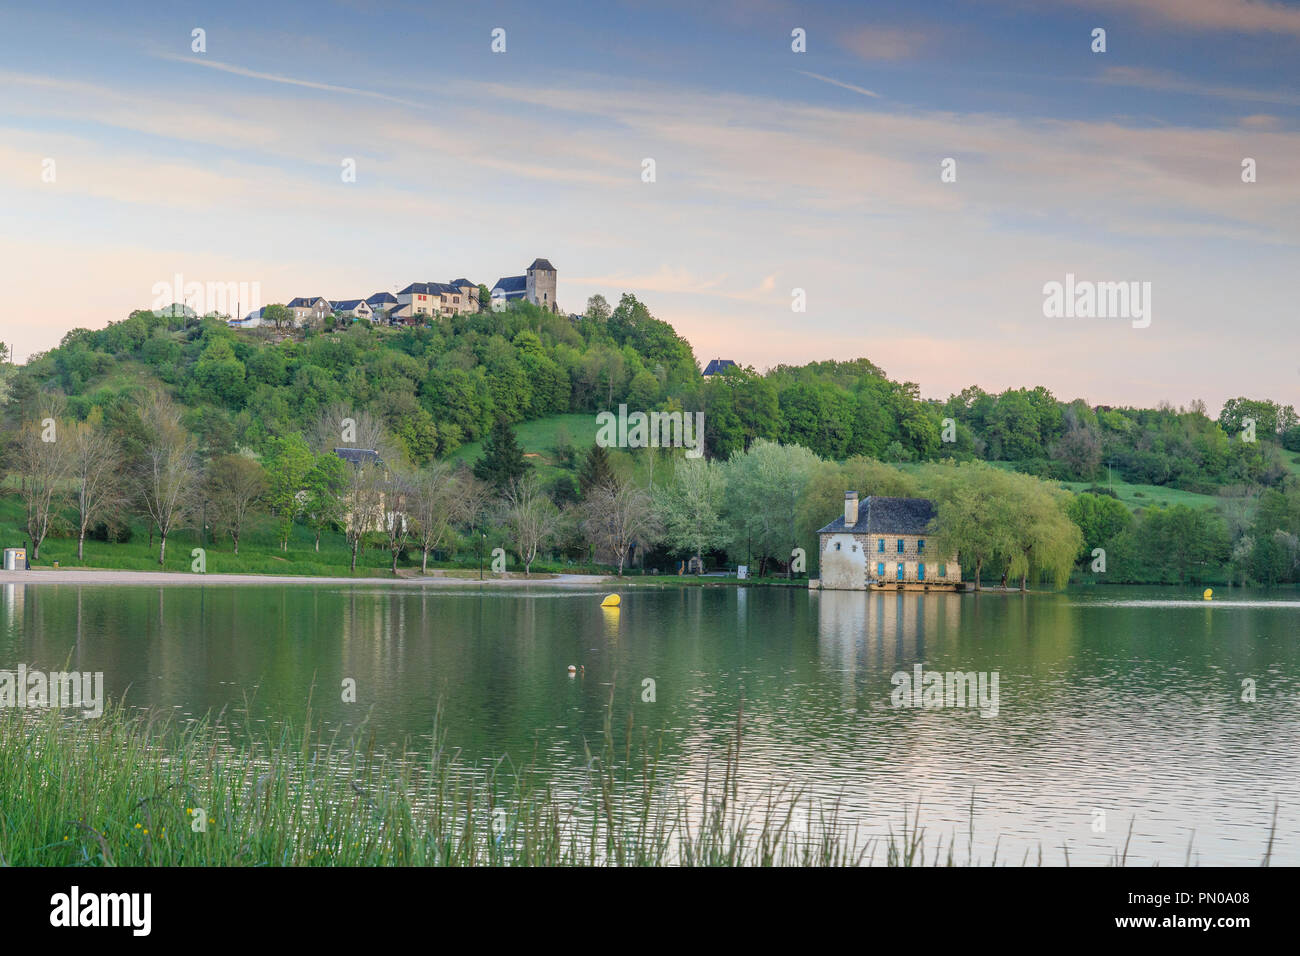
(109, 577)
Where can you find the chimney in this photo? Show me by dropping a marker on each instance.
(850, 508)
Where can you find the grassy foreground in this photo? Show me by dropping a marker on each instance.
(128, 788)
(138, 789)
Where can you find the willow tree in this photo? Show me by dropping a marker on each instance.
(987, 515)
(823, 497)
(765, 486)
(972, 514)
(1044, 540)
(690, 506)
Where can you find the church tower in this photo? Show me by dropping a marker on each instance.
(541, 284)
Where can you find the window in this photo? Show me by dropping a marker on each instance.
(881, 546)
(920, 572)
(900, 570)
(900, 545)
(942, 571)
(920, 546)
(880, 570)
(837, 545)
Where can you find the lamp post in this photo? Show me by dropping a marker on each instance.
(481, 545)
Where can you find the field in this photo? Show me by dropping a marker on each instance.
(1146, 496)
(538, 439)
(259, 552)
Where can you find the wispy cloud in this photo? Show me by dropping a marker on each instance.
(1166, 82)
(840, 83)
(884, 43)
(1238, 16)
(287, 80)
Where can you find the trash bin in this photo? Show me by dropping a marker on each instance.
(15, 559)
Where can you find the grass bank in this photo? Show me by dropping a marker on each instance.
(136, 788)
(141, 789)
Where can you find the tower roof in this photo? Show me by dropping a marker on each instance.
(541, 264)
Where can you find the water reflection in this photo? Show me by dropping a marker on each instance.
(1127, 701)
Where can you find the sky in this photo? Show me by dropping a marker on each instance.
(128, 158)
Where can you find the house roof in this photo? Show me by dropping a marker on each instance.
(359, 456)
(877, 515)
(259, 314)
(430, 288)
(381, 299)
(512, 284)
(346, 305)
(305, 302)
(717, 365)
(461, 283)
(541, 264)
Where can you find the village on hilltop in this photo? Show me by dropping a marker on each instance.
(419, 300)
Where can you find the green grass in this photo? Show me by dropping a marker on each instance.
(259, 550)
(1145, 496)
(126, 788)
(538, 439)
(1135, 496)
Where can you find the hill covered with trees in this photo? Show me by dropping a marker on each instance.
(248, 419)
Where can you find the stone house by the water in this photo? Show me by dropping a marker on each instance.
(882, 543)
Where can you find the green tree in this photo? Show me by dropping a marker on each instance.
(1100, 519)
(503, 459)
(974, 514)
(595, 470)
(288, 461)
(765, 486)
(279, 314)
(690, 507)
(324, 486)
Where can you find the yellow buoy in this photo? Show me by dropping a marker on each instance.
(611, 600)
(1209, 594)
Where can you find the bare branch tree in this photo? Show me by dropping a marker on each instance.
(96, 466)
(236, 485)
(342, 426)
(618, 514)
(43, 461)
(169, 470)
(436, 502)
(364, 504)
(531, 517)
(397, 527)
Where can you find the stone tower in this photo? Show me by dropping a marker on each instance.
(541, 284)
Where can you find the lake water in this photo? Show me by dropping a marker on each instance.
(1124, 701)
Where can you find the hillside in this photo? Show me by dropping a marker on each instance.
(438, 389)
